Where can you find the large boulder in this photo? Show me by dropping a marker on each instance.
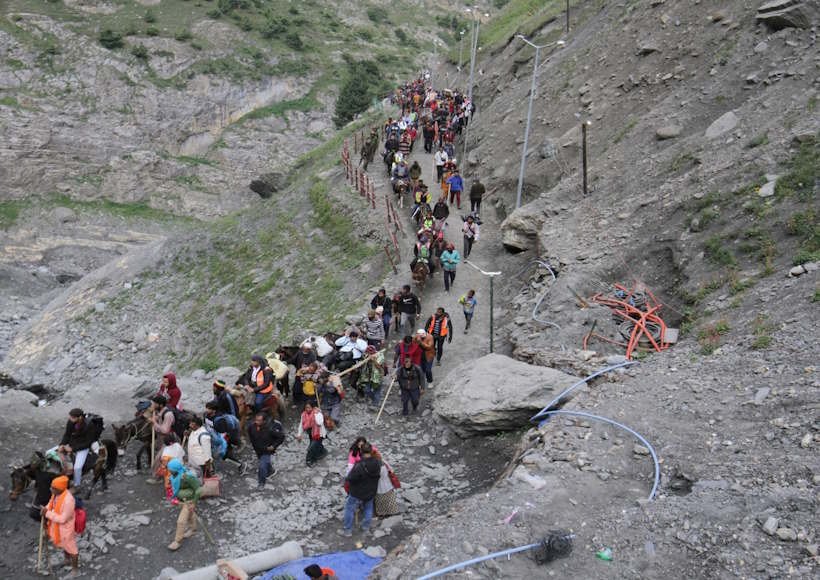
(519, 232)
(496, 393)
(779, 14)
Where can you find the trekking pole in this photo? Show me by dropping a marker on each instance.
(153, 443)
(40, 545)
(384, 400)
(204, 529)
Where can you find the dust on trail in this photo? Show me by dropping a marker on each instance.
(130, 525)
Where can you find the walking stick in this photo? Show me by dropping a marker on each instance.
(40, 545)
(204, 529)
(384, 400)
(153, 443)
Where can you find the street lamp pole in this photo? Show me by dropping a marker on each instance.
(492, 276)
(460, 48)
(529, 116)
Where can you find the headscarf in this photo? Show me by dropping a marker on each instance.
(60, 482)
(172, 381)
(176, 471)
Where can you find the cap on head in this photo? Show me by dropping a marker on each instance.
(219, 384)
(421, 332)
(76, 412)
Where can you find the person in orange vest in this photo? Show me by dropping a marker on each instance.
(258, 377)
(59, 516)
(316, 572)
(438, 325)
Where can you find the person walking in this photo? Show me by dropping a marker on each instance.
(450, 258)
(411, 382)
(440, 158)
(59, 518)
(330, 393)
(373, 372)
(374, 330)
(265, 435)
(439, 326)
(364, 482)
(226, 426)
(428, 352)
(468, 303)
(186, 489)
(470, 230)
(409, 309)
(312, 423)
(78, 437)
(406, 348)
(381, 300)
(477, 191)
(456, 186)
(200, 459)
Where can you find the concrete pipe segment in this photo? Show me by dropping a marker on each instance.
(252, 563)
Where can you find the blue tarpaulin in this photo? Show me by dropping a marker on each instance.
(355, 565)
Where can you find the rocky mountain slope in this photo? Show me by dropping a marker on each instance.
(703, 157)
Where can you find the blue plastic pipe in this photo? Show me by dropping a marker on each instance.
(598, 373)
(454, 567)
(640, 438)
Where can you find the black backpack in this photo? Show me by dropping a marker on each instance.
(277, 433)
(181, 420)
(97, 425)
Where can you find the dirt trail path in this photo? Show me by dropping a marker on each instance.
(484, 255)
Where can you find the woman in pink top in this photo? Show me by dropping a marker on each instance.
(355, 455)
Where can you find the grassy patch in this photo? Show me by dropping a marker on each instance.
(683, 162)
(805, 226)
(630, 124)
(802, 177)
(762, 331)
(280, 109)
(192, 160)
(758, 141)
(9, 211)
(710, 335)
(9, 102)
(717, 253)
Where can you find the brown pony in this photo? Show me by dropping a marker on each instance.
(421, 271)
(245, 399)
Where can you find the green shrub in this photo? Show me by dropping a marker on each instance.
(362, 83)
(802, 177)
(377, 14)
(110, 39)
(274, 26)
(152, 31)
(140, 51)
(717, 253)
(183, 35)
(150, 17)
(293, 40)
